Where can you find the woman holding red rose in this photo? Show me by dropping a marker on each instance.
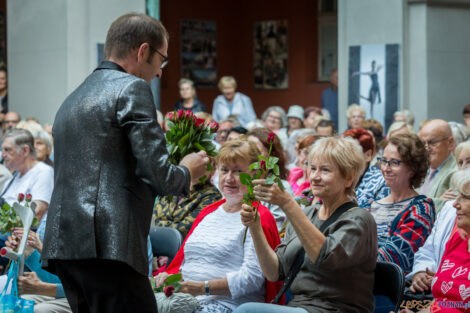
(217, 267)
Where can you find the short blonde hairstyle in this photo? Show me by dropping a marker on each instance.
(460, 180)
(346, 153)
(235, 150)
(227, 81)
(462, 146)
(399, 125)
(355, 107)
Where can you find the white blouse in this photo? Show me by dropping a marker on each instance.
(215, 250)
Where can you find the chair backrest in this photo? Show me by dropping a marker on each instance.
(390, 282)
(166, 241)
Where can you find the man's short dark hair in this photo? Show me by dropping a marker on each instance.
(131, 30)
(466, 109)
(326, 123)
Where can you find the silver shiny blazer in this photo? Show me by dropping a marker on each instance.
(110, 163)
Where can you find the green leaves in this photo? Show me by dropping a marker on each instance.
(245, 179)
(172, 280)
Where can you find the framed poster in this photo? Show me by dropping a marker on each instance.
(374, 80)
(199, 52)
(270, 54)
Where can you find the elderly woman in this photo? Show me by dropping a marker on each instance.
(404, 218)
(259, 136)
(371, 185)
(450, 285)
(43, 146)
(295, 120)
(356, 115)
(274, 118)
(216, 266)
(188, 100)
(398, 128)
(232, 102)
(298, 177)
(337, 274)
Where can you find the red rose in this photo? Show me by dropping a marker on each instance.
(168, 290)
(200, 122)
(180, 114)
(29, 197)
(271, 138)
(262, 165)
(20, 197)
(214, 127)
(189, 114)
(170, 116)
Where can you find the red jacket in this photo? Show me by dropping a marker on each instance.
(270, 231)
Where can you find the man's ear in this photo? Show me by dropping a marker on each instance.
(143, 53)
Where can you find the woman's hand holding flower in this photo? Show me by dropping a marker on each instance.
(270, 193)
(248, 216)
(160, 278)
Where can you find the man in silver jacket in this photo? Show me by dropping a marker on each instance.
(110, 163)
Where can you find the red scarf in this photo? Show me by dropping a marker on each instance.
(270, 231)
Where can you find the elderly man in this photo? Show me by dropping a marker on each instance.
(10, 120)
(110, 163)
(438, 139)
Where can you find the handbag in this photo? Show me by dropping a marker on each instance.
(10, 302)
(300, 257)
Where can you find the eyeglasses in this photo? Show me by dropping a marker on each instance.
(393, 163)
(434, 143)
(165, 59)
(276, 118)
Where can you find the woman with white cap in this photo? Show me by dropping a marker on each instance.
(295, 120)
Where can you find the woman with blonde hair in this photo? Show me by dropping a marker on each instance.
(334, 244)
(232, 102)
(356, 115)
(188, 100)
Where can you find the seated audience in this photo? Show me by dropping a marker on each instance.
(429, 256)
(298, 176)
(404, 218)
(371, 185)
(450, 285)
(295, 120)
(42, 140)
(438, 139)
(325, 128)
(274, 118)
(466, 115)
(310, 114)
(180, 213)
(188, 100)
(259, 136)
(404, 116)
(356, 115)
(235, 132)
(398, 128)
(337, 274)
(232, 102)
(460, 132)
(217, 267)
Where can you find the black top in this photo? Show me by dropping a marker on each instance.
(198, 106)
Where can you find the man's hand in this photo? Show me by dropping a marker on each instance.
(196, 163)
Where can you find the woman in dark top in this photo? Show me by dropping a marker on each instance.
(188, 99)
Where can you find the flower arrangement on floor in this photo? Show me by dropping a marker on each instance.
(265, 167)
(8, 217)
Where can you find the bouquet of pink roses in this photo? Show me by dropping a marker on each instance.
(187, 133)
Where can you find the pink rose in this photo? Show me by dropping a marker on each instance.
(170, 116)
(271, 138)
(168, 290)
(214, 127)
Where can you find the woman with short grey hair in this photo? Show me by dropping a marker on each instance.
(274, 118)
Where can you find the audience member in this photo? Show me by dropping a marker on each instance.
(310, 114)
(371, 185)
(3, 89)
(400, 128)
(5, 175)
(429, 256)
(48, 128)
(10, 120)
(235, 132)
(43, 147)
(466, 115)
(274, 118)
(460, 132)
(180, 213)
(356, 115)
(438, 139)
(259, 136)
(298, 176)
(329, 97)
(217, 267)
(224, 128)
(404, 116)
(232, 102)
(338, 272)
(404, 218)
(188, 99)
(295, 119)
(450, 284)
(292, 148)
(375, 129)
(325, 128)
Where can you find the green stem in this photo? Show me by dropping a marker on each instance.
(246, 228)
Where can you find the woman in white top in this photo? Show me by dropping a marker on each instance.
(217, 267)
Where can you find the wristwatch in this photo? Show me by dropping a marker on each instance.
(206, 288)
